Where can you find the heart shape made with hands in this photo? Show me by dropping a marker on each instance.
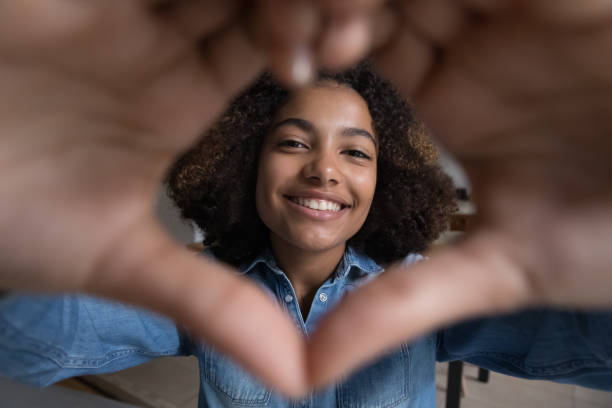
(520, 95)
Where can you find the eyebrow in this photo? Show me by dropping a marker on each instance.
(359, 132)
(307, 126)
(302, 124)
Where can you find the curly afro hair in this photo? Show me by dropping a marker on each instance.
(213, 184)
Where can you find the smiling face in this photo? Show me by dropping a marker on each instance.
(317, 169)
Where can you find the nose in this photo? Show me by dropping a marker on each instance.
(323, 169)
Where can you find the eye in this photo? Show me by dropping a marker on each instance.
(358, 154)
(292, 143)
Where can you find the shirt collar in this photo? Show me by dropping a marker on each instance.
(266, 258)
(352, 262)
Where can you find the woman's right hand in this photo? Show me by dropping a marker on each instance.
(97, 100)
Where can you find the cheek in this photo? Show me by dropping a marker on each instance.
(365, 186)
(262, 200)
(271, 174)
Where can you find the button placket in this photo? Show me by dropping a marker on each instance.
(289, 298)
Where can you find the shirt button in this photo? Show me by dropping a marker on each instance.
(323, 297)
(288, 298)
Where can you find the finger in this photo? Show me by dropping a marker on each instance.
(439, 21)
(194, 90)
(358, 25)
(569, 12)
(293, 66)
(472, 279)
(348, 38)
(490, 6)
(405, 57)
(347, 7)
(197, 18)
(144, 267)
(345, 41)
(285, 31)
(286, 21)
(408, 55)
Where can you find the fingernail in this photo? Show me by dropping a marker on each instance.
(302, 69)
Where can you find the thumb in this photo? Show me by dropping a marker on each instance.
(473, 278)
(146, 268)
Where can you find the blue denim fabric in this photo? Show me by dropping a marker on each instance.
(44, 339)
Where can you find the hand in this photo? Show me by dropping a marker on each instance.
(97, 99)
(521, 93)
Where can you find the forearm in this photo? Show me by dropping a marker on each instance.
(558, 346)
(44, 339)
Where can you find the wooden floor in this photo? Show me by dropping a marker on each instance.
(508, 392)
(173, 383)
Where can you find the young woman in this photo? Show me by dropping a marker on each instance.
(340, 164)
(310, 194)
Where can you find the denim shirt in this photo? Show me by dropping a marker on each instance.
(44, 339)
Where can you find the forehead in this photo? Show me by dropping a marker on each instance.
(328, 105)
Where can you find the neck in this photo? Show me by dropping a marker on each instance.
(307, 270)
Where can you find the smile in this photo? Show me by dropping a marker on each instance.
(316, 204)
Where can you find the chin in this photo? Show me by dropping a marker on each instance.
(317, 245)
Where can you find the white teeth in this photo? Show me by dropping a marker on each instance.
(321, 205)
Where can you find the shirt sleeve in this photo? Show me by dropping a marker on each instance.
(565, 347)
(44, 339)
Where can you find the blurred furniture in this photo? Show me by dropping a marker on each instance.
(17, 395)
(459, 224)
(454, 385)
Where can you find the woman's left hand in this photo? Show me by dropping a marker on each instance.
(521, 93)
